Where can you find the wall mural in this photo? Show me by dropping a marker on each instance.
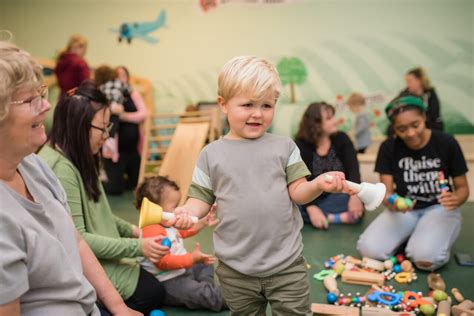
(141, 30)
(292, 71)
(330, 70)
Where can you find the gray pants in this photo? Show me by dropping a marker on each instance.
(430, 232)
(195, 290)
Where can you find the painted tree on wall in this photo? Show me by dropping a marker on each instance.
(292, 71)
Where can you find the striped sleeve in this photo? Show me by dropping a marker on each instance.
(295, 168)
(201, 187)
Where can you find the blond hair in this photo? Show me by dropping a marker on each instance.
(356, 99)
(17, 70)
(248, 74)
(420, 74)
(75, 41)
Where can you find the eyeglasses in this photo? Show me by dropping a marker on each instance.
(106, 130)
(35, 102)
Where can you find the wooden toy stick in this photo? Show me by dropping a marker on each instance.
(331, 285)
(377, 311)
(325, 309)
(464, 308)
(370, 194)
(364, 278)
(373, 264)
(457, 295)
(444, 307)
(436, 282)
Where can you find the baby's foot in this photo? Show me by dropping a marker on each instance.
(317, 217)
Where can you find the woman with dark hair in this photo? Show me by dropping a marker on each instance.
(418, 84)
(324, 148)
(411, 165)
(80, 127)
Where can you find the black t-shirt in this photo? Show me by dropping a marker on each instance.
(415, 172)
(129, 133)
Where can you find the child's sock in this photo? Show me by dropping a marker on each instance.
(341, 218)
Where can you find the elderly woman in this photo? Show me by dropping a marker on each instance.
(81, 124)
(47, 268)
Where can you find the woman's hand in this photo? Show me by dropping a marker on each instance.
(355, 207)
(124, 310)
(449, 200)
(152, 248)
(136, 231)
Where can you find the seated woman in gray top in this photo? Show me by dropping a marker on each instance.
(47, 268)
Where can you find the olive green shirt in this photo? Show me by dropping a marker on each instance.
(108, 235)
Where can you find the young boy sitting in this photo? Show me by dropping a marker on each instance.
(188, 278)
(255, 178)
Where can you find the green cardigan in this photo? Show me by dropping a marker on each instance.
(108, 235)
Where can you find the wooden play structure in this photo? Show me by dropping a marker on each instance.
(173, 142)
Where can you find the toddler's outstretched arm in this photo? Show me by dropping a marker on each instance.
(302, 191)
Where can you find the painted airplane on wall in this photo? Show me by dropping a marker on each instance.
(129, 31)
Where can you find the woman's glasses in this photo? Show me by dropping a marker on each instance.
(35, 102)
(106, 130)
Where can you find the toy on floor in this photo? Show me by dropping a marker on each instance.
(157, 312)
(362, 277)
(464, 308)
(457, 295)
(349, 300)
(436, 282)
(385, 298)
(377, 311)
(444, 307)
(330, 284)
(370, 194)
(151, 213)
(401, 204)
(325, 309)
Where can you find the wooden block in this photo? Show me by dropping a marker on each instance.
(444, 308)
(466, 307)
(376, 311)
(361, 277)
(325, 309)
(457, 295)
(373, 264)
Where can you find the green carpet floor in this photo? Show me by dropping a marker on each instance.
(320, 245)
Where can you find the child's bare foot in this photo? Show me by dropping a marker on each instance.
(317, 217)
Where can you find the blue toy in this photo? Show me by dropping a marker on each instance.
(331, 298)
(385, 298)
(167, 243)
(157, 312)
(397, 268)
